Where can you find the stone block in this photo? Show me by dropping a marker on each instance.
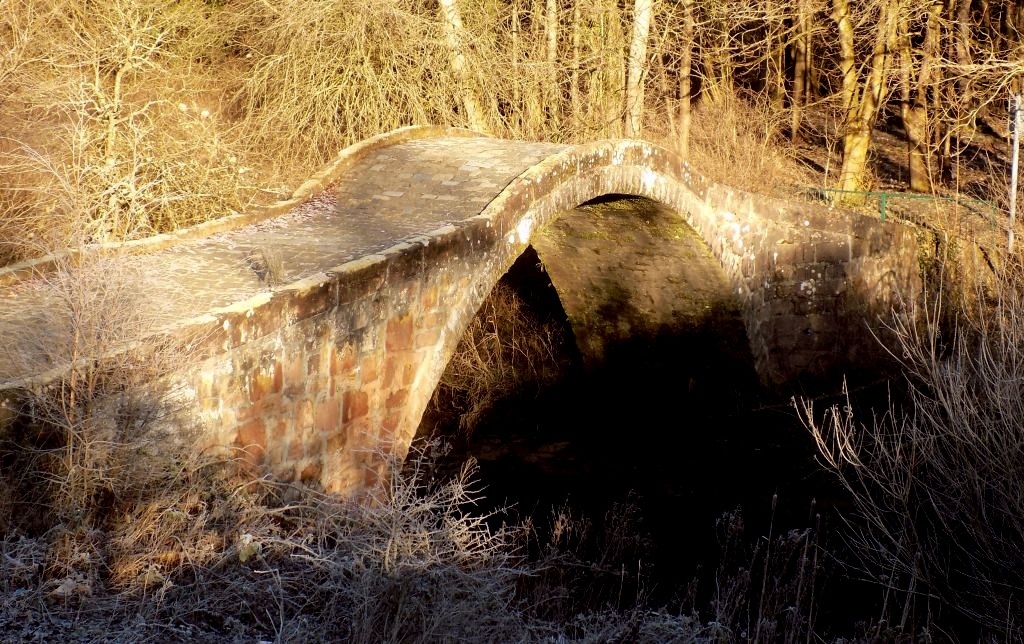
(397, 399)
(310, 471)
(343, 361)
(328, 415)
(831, 251)
(335, 441)
(305, 419)
(355, 404)
(296, 449)
(252, 438)
(391, 423)
(429, 336)
(294, 373)
(369, 369)
(399, 334)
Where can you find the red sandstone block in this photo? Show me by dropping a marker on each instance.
(335, 441)
(252, 438)
(399, 333)
(246, 411)
(428, 337)
(296, 449)
(343, 361)
(358, 435)
(328, 415)
(356, 404)
(397, 398)
(281, 430)
(310, 472)
(391, 422)
(260, 384)
(294, 376)
(369, 369)
(392, 364)
(278, 378)
(304, 417)
(409, 371)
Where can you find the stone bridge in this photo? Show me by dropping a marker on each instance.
(327, 320)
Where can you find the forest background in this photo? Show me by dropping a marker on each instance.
(125, 118)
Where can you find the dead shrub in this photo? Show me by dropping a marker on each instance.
(936, 484)
(506, 351)
(365, 85)
(738, 139)
(88, 361)
(110, 129)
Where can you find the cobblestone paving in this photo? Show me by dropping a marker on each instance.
(393, 194)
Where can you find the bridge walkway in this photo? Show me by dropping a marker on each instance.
(393, 194)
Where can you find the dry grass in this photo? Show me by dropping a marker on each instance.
(739, 141)
(210, 556)
(505, 351)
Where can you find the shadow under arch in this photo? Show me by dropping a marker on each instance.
(547, 191)
(637, 300)
(662, 412)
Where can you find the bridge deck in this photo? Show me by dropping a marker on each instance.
(399, 192)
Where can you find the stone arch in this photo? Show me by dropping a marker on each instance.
(317, 376)
(540, 195)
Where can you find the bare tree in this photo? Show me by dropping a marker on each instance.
(801, 67)
(637, 65)
(917, 70)
(453, 34)
(685, 77)
(863, 93)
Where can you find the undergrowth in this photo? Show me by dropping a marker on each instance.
(935, 481)
(503, 353)
(209, 555)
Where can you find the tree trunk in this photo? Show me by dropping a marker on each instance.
(915, 111)
(611, 82)
(551, 94)
(574, 76)
(685, 75)
(515, 115)
(801, 70)
(862, 101)
(642, 10)
(775, 56)
(453, 36)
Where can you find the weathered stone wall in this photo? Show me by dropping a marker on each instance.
(323, 378)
